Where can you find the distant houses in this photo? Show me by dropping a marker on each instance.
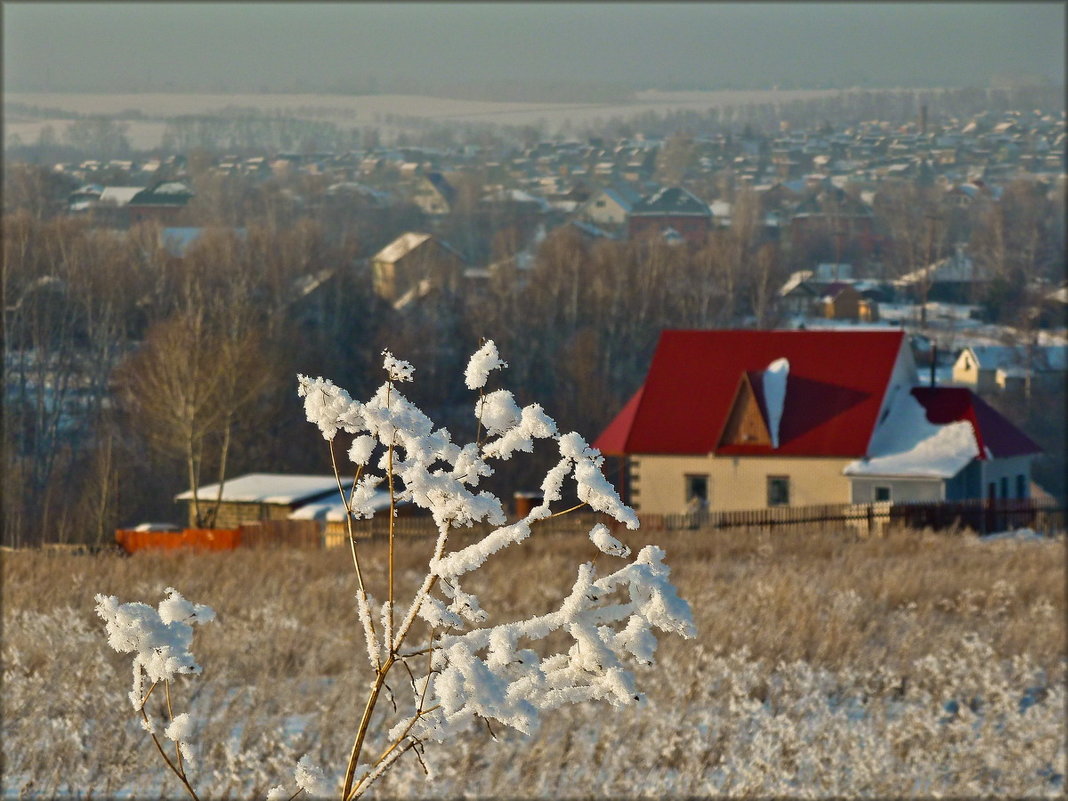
(670, 210)
(415, 263)
(1019, 368)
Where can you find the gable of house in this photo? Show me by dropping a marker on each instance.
(410, 259)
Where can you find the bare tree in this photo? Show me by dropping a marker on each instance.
(185, 389)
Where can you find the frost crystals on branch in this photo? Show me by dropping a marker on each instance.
(467, 670)
(458, 670)
(160, 640)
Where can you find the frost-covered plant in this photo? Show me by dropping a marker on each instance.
(160, 640)
(460, 669)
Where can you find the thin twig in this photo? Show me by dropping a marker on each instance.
(144, 700)
(565, 511)
(180, 774)
(170, 717)
(348, 517)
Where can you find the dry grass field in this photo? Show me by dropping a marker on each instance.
(909, 665)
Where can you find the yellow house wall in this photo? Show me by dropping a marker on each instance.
(658, 483)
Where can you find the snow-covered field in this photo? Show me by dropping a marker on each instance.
(364, 110)
(914, 665)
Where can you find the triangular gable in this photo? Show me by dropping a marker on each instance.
(747, 421)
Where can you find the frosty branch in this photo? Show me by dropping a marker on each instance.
(461, 670)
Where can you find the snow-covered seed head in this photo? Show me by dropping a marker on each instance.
(482, 362)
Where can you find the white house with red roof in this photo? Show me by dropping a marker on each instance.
(734, 420)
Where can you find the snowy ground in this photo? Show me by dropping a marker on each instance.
(363, 110)
(824, 668)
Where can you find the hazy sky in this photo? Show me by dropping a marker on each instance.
(120, 47)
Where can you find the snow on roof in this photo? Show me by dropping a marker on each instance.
(333, 511)
(908, 444)
(775, 395)
(172, 188)
(1039, 357)
(119, 195)
(401, 246)
(796, 280)
(277, 488)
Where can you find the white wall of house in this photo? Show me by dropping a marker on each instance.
(603, 209)
(966, 371)
(897, 489)
(658, 483)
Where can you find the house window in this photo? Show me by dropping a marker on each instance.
(1004, 486)
(599, 204)
(882, 494)
(778, 490)
(697, 490)
(1021, 486)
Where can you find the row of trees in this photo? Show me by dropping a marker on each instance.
(131, 373)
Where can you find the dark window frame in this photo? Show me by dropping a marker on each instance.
(778, 490)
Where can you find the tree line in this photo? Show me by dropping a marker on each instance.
(131, 373)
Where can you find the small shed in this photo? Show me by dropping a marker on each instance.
(262, 496)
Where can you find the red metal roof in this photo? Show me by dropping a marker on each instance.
(613, 440)
(835, 387)
(993, 432)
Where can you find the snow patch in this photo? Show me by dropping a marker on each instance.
(907, 444)
(775, 395)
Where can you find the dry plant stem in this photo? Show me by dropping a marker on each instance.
(383, 671)
(174, 769)
(348, 517)
(481, 407)
(147, 696)
(419, 712)
(170, 718)
(565, 511)
(392, 524)
(365, 722)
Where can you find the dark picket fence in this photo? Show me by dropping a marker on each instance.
(983, 517)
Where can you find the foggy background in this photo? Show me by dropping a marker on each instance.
(560, 51)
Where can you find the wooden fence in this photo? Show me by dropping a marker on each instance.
(983, 517)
